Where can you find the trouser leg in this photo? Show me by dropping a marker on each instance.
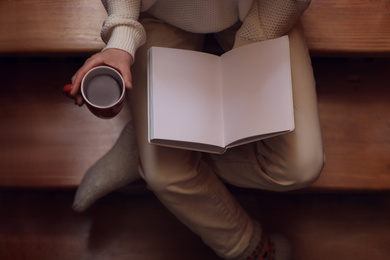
(289, 161)
(183, 182)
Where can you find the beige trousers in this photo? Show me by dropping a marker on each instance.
(190, 184)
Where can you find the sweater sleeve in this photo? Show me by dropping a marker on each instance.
(121, 29)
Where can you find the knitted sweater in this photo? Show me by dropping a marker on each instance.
(262, 19)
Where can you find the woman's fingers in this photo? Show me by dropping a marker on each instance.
(115, 58)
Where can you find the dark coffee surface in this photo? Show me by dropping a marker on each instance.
(103, 90)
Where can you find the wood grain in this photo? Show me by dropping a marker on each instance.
(39, 26)
(41, 225)
(353, 97)
(47, 142)
(340, 27)
(332, 27)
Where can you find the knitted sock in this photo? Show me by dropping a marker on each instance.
(264, 251)
(274, 247)
(114, 170)
(262, 247)
(253, 242)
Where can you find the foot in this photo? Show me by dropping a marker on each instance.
(115, 169)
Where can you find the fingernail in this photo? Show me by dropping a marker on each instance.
(68, 87)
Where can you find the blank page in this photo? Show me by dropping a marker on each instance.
(257, 89)
(185, 88)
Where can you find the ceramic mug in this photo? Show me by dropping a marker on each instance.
(103, 90)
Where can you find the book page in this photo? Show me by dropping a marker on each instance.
(185, 96)
(257, 91)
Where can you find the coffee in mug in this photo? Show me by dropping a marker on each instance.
(103, 90)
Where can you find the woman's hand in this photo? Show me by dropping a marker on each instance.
(118, 59)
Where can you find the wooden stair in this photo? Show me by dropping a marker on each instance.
(47, 142)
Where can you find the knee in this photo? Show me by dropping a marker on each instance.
(156, 182)
(305, 170)
(170, 176)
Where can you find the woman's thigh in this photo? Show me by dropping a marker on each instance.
(289, 161)
(154, 158)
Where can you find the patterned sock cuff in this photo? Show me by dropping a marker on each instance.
(264, 251)
(253, 243)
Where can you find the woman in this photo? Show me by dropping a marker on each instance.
(188, 183)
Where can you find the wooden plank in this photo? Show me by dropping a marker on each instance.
(42, 225)
(39, 26)
(354, 106)
(332, 27)
(47, 142)
(348, 27)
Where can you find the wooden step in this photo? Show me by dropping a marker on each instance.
(353, 97)
(43, 27)
(48, 142)
(348, 28)
(42, 225)
(332, 27)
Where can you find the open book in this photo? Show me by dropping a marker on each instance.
(208, 103)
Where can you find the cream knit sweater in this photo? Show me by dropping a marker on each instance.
(262, 19)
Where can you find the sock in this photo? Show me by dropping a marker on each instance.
(115, 169)
(264, 251)
(262, 247)
(253, 242)
(274, 247)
